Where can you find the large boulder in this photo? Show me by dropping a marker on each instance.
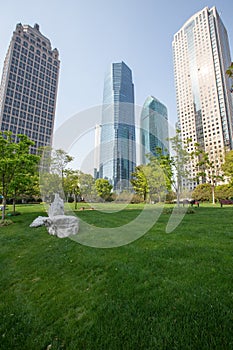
(56, 207)
(62, 225)
(40, 221)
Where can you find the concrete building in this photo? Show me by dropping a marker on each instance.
(29, 86)
(204, 102)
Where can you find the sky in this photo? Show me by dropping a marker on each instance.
(91, 34)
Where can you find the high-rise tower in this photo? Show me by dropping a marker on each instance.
(204, 102)
(118, 148)
(153, 128)
(29, 85)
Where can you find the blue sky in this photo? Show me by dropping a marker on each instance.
(91, 34)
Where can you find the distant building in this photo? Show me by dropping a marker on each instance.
(97, 151)
(29, 86)
(118, 148)
(153, 128)
(204, 102)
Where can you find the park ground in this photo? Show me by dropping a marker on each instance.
(163, 291)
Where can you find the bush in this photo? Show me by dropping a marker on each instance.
(137, 199)
(202, 192)
(179, 211)
(5, 222)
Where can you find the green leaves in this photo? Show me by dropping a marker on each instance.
(227, 167)
(103, 188)
(16, 165)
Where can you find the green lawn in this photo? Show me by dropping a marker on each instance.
(163, 291)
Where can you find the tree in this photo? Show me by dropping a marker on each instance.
(156, 181)
(59, 161)
(16, 163)
(24, 186)
(227, 167)
(229, 72)
(175, 166)
(71, 184)
(224, 192)
(150, 181)
(52, 171)
(103, 188)
(165, 163)
(206, 169)
(203, 192)
(87, 186)
(139, 181)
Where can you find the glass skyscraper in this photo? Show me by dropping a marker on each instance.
(117, 147)
(204, 102)
(29, 85)
(153, 128)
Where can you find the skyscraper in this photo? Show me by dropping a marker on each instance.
(154, 128)
(97, 151)
(118, 149)
(29, 85)
(204, 102)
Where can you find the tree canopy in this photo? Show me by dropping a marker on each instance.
(16, 166)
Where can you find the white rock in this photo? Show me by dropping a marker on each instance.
(57, 223)
(40, 221)
(62, 225)
(56, 207)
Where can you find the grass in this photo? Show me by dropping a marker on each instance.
(163, 291)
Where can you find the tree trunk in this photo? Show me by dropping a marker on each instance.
(213, 195)
(3, 208)
(14, 205)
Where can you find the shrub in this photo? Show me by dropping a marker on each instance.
(5, 222)
(179, 211)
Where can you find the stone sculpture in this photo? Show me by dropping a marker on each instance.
(57, 223)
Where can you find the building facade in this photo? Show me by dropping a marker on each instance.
(153, 128)
(29, 86)
(204, 103)
(118, 148)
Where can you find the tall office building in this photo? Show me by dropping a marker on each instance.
(29, 85)
(153, 128)
(97, 151)
(204, 102)
(118, 148)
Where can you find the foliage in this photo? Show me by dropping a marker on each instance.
(5, 222)
(49, 185)
(87, 187)
(156, 181)
(136, 199)
(164, 162)
(103, 188)
(202, 192)
(224, 192)
(71, 185)
(229, 72)
(150, 181)
(16, 166)
(52, 171)
(227, 167)
(179, 210)
(59, 160)
(175, 166)
(139, 181)
(207, 170)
